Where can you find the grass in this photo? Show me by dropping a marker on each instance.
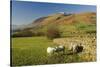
(32, 51)
(79, 28)
(29, 50)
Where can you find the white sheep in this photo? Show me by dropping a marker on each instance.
(73, 47)
(60, 48)
(76, 47)
(51, 50)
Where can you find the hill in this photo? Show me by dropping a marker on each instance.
(68, 24)
(63, 18)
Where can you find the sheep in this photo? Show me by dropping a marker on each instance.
(72, 47)
(79, 48)
(60, 49)
(51, 50)
(76, 48)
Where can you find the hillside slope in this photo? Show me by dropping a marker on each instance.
(60, 18)
(68, 24)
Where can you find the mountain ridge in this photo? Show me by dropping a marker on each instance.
(62, 18)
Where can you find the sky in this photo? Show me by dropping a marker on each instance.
(26, 12)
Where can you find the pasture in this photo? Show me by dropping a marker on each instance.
(32, 51)
(41, 36)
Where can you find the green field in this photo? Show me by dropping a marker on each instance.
(29, 50)
(32, 51)
(74, 30)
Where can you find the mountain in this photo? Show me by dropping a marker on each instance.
(60, 18)
(64, 19)
(67, 23)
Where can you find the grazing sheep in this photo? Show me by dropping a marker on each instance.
(76, 48)
(60, 49)
(51, 50)
(79, 48)
(72, 46)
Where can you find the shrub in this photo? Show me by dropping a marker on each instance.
(53, 32)
(39, 34)
(23, 34)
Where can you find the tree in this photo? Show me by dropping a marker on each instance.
(24, 33)
(53, 32)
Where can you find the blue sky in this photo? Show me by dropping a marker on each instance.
(26, 12)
